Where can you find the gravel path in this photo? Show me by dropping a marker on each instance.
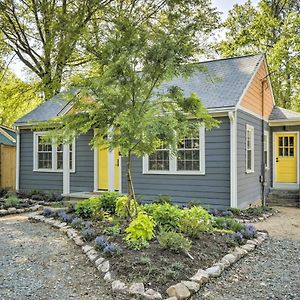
(270, 272)
(37, 262)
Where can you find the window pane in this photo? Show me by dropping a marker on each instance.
(188, 155)
(280, 141)
(45, 160)
(286, 151)
(291, 141)
(159, 160)
(286, 141)
(266, 158)
(292, 152)
(249, 160)
(280, 152)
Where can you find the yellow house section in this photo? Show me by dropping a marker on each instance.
(286, 157)
(103, 168)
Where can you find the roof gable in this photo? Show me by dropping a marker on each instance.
(7, 136)
(282, 114)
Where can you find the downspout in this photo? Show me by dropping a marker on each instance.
(263, 164)
(17, 159)
(233, 159)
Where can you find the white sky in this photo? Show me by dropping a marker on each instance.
(222, 5)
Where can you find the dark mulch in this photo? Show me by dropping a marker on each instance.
(158, 268)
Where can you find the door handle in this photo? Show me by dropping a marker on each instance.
(277, 159)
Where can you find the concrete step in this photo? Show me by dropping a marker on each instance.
(279, 196)
(283, 202)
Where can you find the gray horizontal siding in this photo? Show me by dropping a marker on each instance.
(30, 180)
(249, 188)
(211, 189)
(80, 181)
(83, 179)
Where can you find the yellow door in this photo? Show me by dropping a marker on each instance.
(103, 168)
(286, 157)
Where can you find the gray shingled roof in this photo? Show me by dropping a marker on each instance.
(223, 82)
(47, 110)
(282, 114)
(221, 85)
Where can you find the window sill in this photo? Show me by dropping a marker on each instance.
(250, 171)
(173, 173)
(50, 171)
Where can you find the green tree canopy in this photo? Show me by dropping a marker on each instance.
(143, 46)
(44, 35)
(17, 98)
(273, 28)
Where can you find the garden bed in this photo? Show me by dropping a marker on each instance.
(158, 247)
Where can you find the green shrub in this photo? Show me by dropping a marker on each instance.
(12, 201)
(121, 209)
(235, 211)
(112, 230)
(161, 199)
(165, 215)
(193, 203)
(194, 221)
(108, 201)
(173, 241)
(141, 228)
(138, 244)
(228, 224)
(86, 208)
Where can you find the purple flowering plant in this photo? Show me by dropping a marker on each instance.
(47, 211)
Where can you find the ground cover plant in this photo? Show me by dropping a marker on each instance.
(162, 245)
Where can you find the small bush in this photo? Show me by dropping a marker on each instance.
(112, 249)
(162, 199)
(238, 237)
(173, 241)
(86, 208)
(77, 223)
(88, 232)
(64, 216)
(101, 242)
(249, 232)
(227, 223)
(141, 228)
(138, 244)
(195, 221)
(193, 203)
(47, 211)
(235, 211)
(108, 201)
(54, 197)
(12, 201)
(165, 215)
(112, 230)
(121, 208)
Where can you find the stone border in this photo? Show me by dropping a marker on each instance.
(102, 264)
(183, 290)
(13, 210)
(258, 219)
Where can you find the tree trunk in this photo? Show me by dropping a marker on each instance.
(130, 189)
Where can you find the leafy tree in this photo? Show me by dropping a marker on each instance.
(128, 96)
(17, 98)
(44, 35)
(274, 28)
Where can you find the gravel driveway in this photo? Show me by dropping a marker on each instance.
(270, 272)
(37, 262)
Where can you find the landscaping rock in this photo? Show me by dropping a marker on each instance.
(214, 271)
(248, 247)
(99, 261)
(107, 277)
(230, 258)
(200, 277)
(152, 295)
(92, 255)
(225, 262)
(239, 252)
(3, 212)
(87, 248)
(72, 233)
(252, 242)
(172, 298)
(118, 285)
(221, 265)
(179, 290)
(136, 288)
(12, 210)
(193, 286)
(104, 267)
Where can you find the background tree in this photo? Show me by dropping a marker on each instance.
(273, 28)
(44, 35)
(17, 98)
(144, 45)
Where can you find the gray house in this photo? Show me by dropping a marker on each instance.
(255, 148)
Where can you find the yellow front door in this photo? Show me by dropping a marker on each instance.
(286, 157)
(103, 166)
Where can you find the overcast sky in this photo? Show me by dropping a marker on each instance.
(222, 5)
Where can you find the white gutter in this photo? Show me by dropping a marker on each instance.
(18, 159)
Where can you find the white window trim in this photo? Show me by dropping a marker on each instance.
(173, 161)
(54, 156)
(267, 138)
(251, 129)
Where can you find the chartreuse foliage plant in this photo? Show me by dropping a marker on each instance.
(86, 208)
(122, 209)
(195, 221)
(166, 216)
(140, 230)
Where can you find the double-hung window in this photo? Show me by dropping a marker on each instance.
(189, 159)
(249, 149)
(267, 149)
(48, 156)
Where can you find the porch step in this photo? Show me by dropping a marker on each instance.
(283, 198)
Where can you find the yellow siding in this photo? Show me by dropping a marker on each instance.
(8, 166)
(253, 98)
